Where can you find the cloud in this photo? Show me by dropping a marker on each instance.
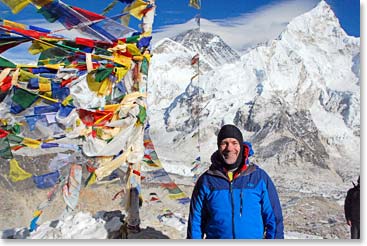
(170, 31)
(248, 29)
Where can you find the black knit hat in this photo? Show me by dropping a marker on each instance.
(229, 131)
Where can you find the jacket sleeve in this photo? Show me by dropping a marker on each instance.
(272, 213)
(196, 223)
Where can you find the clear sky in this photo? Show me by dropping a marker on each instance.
(262, 20)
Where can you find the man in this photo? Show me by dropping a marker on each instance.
(351, 209)
(234, 198)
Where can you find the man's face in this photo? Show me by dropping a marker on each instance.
(230, 149)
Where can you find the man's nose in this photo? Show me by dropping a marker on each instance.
(230, 147)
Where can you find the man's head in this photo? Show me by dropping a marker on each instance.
(230, 145)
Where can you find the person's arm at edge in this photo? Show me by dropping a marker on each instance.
(197, 211)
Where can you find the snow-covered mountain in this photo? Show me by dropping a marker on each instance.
(296, 98)
(211, 47)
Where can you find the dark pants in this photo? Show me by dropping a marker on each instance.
(354, 231)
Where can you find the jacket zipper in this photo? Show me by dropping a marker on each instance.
(241, 204)
(233, 228)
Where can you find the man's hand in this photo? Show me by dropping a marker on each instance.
(349, 222)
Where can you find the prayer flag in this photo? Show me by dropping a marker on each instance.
(16, 5)
(31, 143)
(9, 23)
(16, 173)
(195, 4)
(136, 8)
(5, 151)
(24, 98)
(46, 180)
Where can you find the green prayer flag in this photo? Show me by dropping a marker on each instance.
(24, 98)
(5, 151)
(14, 139)
(102, 74)
(6, 63)
(142, 114)
(13, 128)
(132, 39)
(144, 66)
(16, 128)
(54, 55)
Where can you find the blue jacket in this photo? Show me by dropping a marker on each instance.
(247, 207)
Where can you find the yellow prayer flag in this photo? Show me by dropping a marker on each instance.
(16, 173)
(177, 196)
(16, 5)
(133, 49)
(40, 3)
(195, 4)
(37, 213)
(44, 87)
(93, 85)
(120, 73)
(31, 143)
(54, 66)
(105, 87)
(67, 100)
(135, 9)
(38, 47)
(122, 60)
(25, 76)
(147, 56)
(14, 24)
(138, 58)
(146, 33)
(112, 107)
(92, 179)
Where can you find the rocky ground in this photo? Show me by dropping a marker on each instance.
(303, 213)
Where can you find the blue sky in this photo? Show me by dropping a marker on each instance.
(177, 11)
(262, 20)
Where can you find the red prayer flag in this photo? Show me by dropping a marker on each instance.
(5, 84)
(85, 41)
(90, 15)
(3, 133)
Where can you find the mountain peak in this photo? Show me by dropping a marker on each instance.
(323, 9)
(211, 47)
(321, 23)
